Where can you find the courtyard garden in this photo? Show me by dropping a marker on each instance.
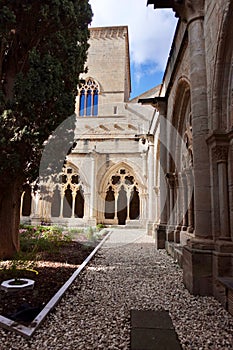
(48, 255)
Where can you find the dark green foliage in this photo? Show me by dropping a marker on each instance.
(43, 48)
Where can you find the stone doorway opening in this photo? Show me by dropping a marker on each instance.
(122, 207)
(134, 211)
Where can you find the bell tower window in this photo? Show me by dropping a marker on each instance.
(88, 98)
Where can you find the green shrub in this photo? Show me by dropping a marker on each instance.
(100, 226)
(42, 238)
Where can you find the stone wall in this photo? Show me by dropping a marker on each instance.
(200, 69)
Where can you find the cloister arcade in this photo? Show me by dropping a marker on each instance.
(66, 200)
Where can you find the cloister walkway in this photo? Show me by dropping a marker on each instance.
(127, 273)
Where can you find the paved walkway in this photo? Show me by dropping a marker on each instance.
(120, 237)
(127, 274)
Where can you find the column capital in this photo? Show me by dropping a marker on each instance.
(218, 142)
(220, 153)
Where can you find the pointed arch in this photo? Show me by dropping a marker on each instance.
(222, 93)
(121, 190)
(68, 194)
(128, 167)
(181, 139)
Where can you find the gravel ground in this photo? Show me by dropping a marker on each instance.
(130, 274)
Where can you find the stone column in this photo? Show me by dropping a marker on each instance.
(197, 254)
(101, 206)
(128, 204)
(163, 163)
(190, 208)
(221, 153)
(62, 202)
(151, 177)
(144, 165)
(87, 196)
(157, 203)
(202, 199)
(160, 230)
(185, 201)
(116, 199)
(171, 178)
(143, 199)
(34, 204)
(93, 187)
(73, 203)
(221, 177)
(48, 207)
(179, 207)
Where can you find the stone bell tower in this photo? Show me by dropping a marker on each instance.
(108, 66)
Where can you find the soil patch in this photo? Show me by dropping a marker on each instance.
(54, 269)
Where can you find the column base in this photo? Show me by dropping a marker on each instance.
(185, 237)
(160, 236)
(177, 234)
(149, 228)
(25, 220)
(170, 233)
(223, 274)
(198, 269)
(91, 222)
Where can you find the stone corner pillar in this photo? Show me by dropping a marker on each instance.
(160, 236)
(198, 263)
(197, 254)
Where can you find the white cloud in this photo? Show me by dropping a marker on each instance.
(150, 31)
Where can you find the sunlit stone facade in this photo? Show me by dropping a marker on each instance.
(111, 175)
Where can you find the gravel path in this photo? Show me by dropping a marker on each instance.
(127, 273)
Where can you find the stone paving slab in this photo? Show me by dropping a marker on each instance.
(151, 319)
(153, 330)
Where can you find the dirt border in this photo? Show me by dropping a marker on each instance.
(30, 330)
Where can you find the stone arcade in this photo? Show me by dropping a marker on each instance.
(196, 223)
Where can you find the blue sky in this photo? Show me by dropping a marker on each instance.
(150, 36)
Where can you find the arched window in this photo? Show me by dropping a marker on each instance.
(68, 195)
(88, 98)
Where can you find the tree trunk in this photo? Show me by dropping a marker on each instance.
(9, 219)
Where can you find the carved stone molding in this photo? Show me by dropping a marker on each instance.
(218, 142)
(220, 153)
(187, 10)
(108, 32)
